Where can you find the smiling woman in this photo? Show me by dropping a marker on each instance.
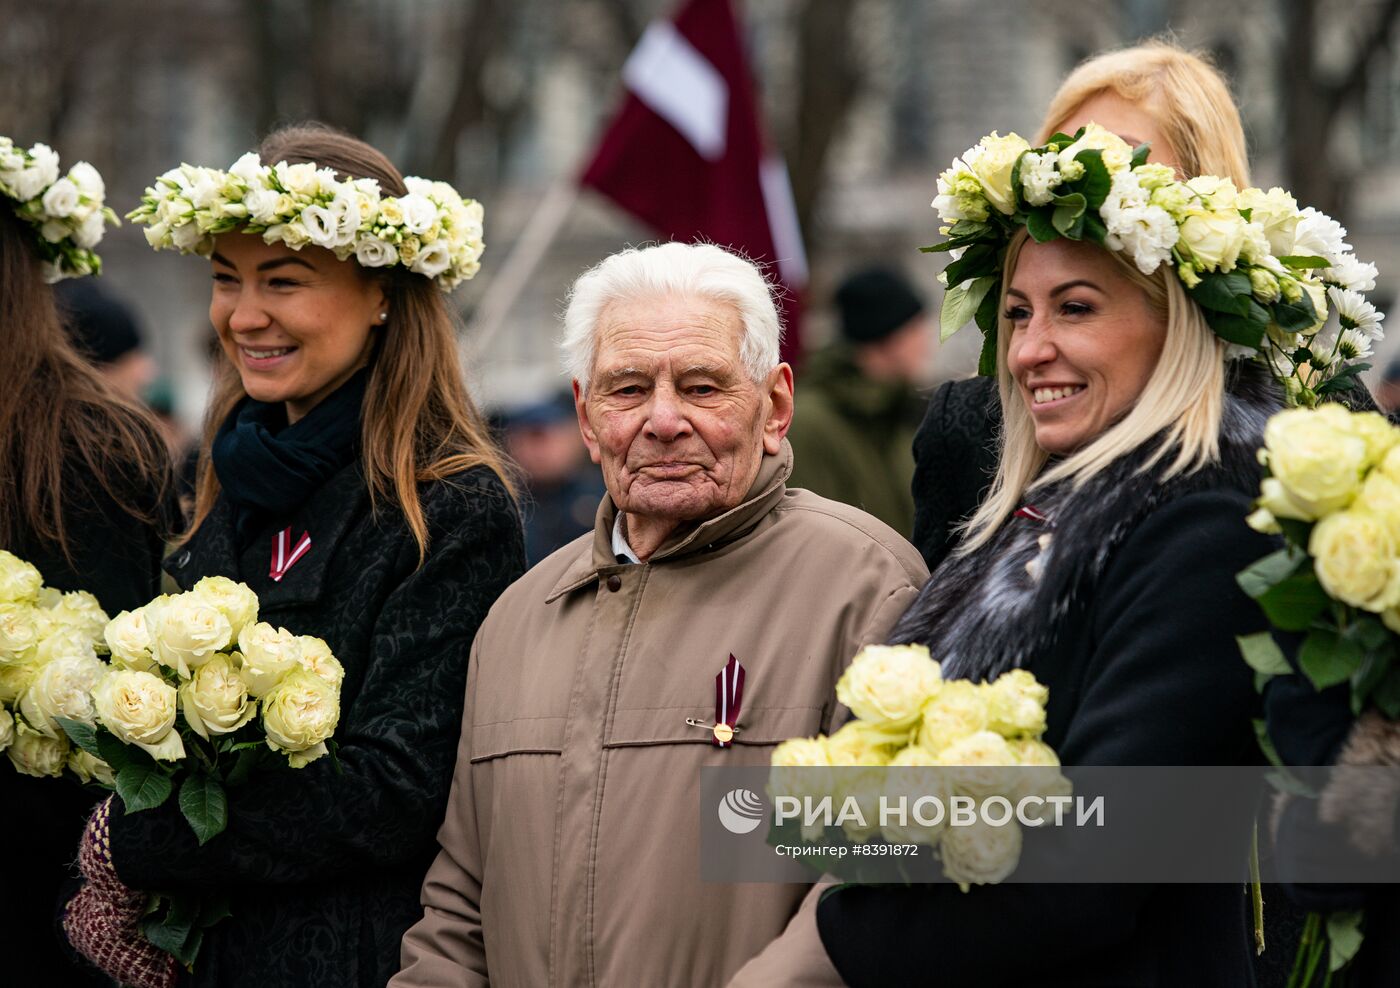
(339, 419)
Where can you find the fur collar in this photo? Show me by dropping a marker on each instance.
(992, 610)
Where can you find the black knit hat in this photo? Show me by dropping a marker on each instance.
(100, 326)
(874, 303)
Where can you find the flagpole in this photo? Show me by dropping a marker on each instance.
(521, 263)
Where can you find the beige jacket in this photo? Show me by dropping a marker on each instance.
(571, 849)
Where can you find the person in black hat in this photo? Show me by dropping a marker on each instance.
(858, 407)
(104, 330)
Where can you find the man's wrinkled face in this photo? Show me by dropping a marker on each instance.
(671, 413)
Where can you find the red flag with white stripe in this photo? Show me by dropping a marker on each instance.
(686, 155)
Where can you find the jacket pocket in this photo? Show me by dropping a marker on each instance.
(667, 725)
(521, 736)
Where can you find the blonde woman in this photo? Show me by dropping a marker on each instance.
(348, 479)
(1154, 93)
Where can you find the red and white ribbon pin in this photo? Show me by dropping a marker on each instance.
(284, 554)
(729, 697)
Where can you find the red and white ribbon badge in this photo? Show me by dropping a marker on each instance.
(729, 697)
(284, 554)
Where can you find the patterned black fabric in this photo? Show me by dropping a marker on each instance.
(326, 867)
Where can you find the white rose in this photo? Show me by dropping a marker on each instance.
(419, 213)
(189, 632)
(992, 162)
(28, 184)
(299, 715)
(80, 611)
(321, 226)
(55, 231)
(888, 685)
(90, 768)
(45, 162)
(316, 658)
(236, 601)
(980, 854)
(371, 252)
(19, 634)
(1220, 192)
(215, 700)
(300, 179)
(19, 581)
(186, 236)
(981, 761)
(91, 231)
(128, 638)
(269, 654)
(249, 168)
(7, 729)
(36, 754)
(1214, 239)
(140, 709)
(918, 776)
(62, 688)
(433, 261)
(1117, 154)
(1319, 235)
(1317, 461)
(1276, 212)
(262, 206)
(62, 198)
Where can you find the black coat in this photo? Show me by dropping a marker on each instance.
(325, 867)
(1137, 646)
(116, 557)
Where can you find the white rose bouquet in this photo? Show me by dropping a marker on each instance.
(187, 692)
(1332, 489)
(908, 717)
(67, 213)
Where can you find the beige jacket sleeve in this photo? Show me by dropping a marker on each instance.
(446, 947)
(797, 958)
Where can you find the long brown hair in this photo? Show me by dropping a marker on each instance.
(419, 424)
(59, 419)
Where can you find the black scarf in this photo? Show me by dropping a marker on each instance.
(268, 468)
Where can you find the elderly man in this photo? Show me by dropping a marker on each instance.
(571, 849)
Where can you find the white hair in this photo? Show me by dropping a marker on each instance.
(694, 270)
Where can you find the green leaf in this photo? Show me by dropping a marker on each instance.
(987, 359)
(1294, 317)
(979, 261)
(1068, 215)
(248, 759)
(1328, 658)
(213, 910)
(960, 304)
(987, 322)
(1096, 181)
(1295, 603)
(1295, 531)
(142, 787)
(1221, 292)
(1343, 937)
(1263, 575)
(82, 735)
(116, 754)
(1040, 227)
(204, 805)
(1094, 230)
(1304, 261)
(1140, 154)
(1236, 329)
(1263, 655)
(1266, 743)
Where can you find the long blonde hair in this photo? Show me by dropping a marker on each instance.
(1182, 400)
(420, 424)
(1179, 90)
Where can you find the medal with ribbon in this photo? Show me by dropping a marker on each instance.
(284, 554)
(729, 697)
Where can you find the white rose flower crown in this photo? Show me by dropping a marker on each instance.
(431, 231)
(67, 213)
(1262, 270)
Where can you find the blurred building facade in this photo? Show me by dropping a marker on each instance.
(868, 100)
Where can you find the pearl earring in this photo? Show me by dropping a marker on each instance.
(383, 317)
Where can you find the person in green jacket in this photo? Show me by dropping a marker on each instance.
(854, 426)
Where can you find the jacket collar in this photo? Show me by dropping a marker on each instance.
(326, 516)
(597, 558)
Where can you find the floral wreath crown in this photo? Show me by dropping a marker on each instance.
(1263, 271)
(431, 231)
(66, 213)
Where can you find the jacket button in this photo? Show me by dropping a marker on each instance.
(614, 583)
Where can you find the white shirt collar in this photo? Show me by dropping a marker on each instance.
(620, 547)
